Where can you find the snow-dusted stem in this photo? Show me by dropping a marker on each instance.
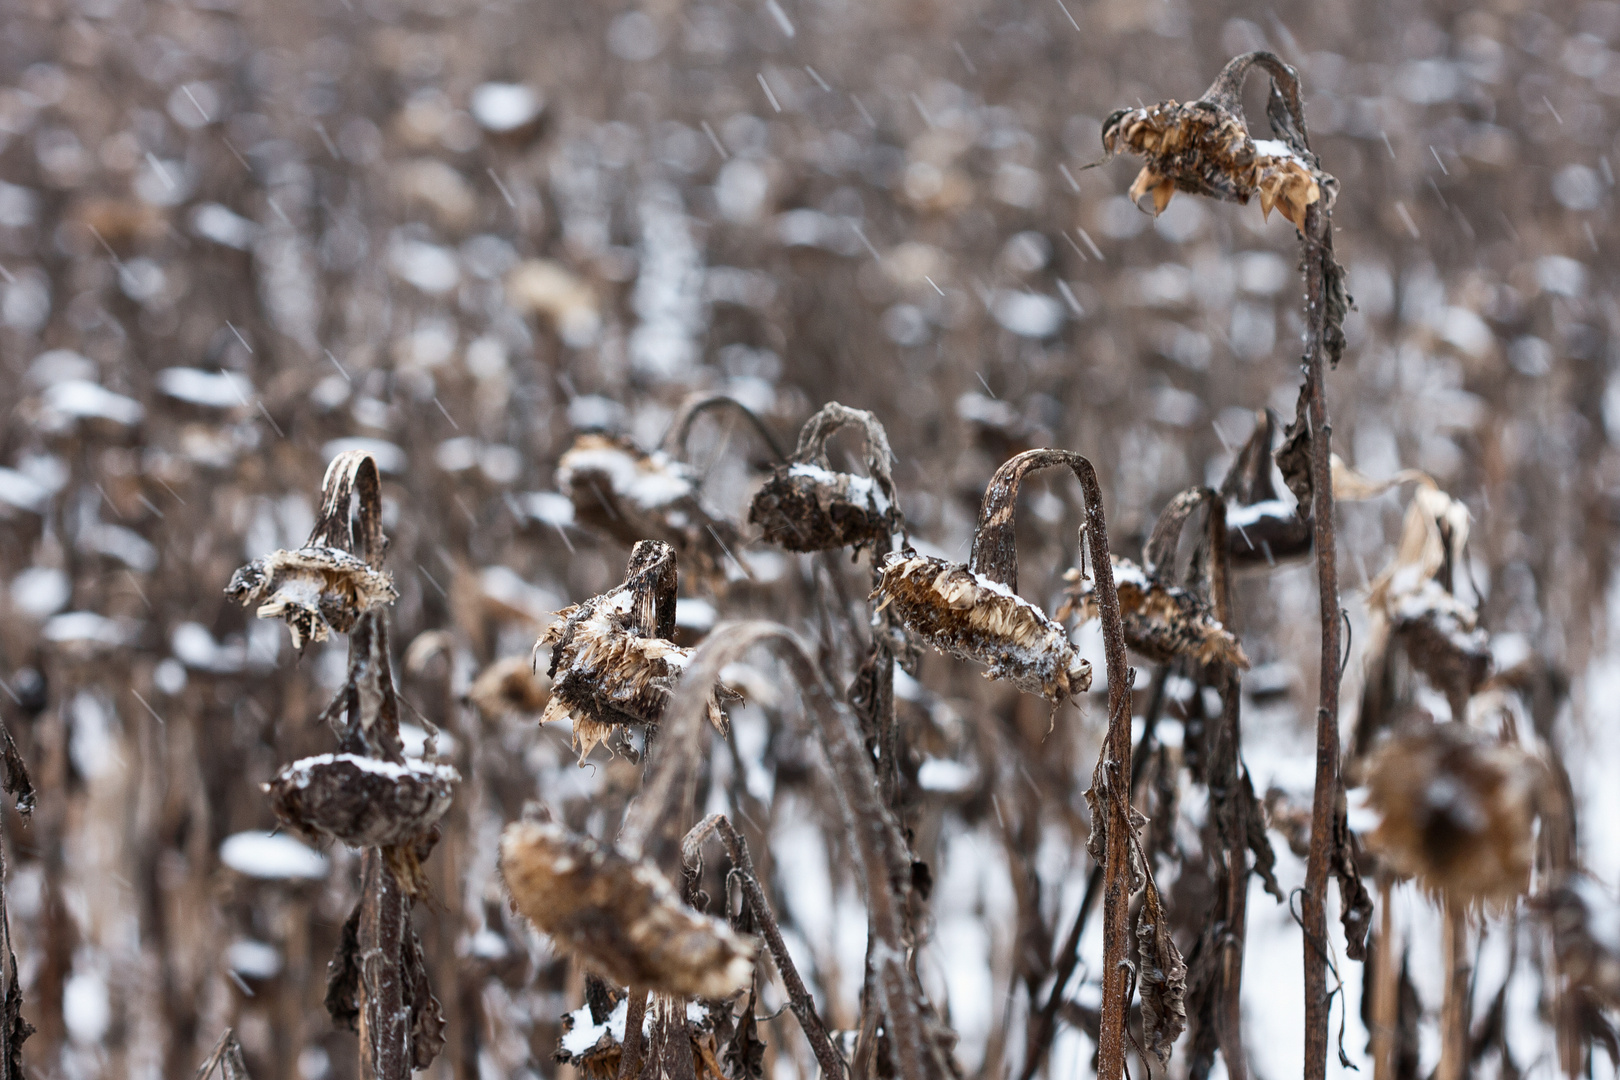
(880, 850)
(799, 1000)
(995, 556)
(1319, 266)
(385, 1019)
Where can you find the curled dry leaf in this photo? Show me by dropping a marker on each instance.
(805, 506)
(362, 801)
(612, 663)
(968, 615)
(509, 686)
(621, 916)
(1162, 622)
(621, 490)
(1457, 810)
(1161, 977)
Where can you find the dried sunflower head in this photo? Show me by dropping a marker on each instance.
(1162, 622)
(968, 615)
(805, 506)
(1456, 811)
(1203, 147)
(620, 915)
(337, 575)
(509, 686)
(315, 590)
(362, 801)
(619, 489)
(612, 663)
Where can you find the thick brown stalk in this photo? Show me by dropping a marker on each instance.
(635, 1017)
(385, 1019)
(799, 1000)
(1043, 1026)
(1454, 1010)
(995, 556)
(1318, 242)
(1386, 987)
(1233, 875)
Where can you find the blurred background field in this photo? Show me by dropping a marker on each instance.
(237, 237)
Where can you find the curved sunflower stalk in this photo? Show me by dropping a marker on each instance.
(806, 506)
(367, 794)
(1205, 148)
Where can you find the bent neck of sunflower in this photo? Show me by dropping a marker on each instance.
(1226, 91)
(995, 549)
(351, 474)
(674, 440)
(832, 417)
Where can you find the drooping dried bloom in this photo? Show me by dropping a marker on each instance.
(970, 616)
(509, 686)
(612, 663)
(315, 590)
(362, 801)
(620, 915)
(621, 490)
(1456, 812)
(323, 586)
(1203, 147)
(805, 506)
(1162, 622)
(1415, 600)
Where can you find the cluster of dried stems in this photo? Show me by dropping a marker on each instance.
(670, 955)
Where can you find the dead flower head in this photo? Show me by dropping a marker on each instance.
(970, 616)
(509, 686)
(362, 801)
(1203, 147)
(612, 660)
(620, 915)
(619, 489)
(336, 576)
(1414, 598)
(1162, 622)
(805, 506)
(1456, 812)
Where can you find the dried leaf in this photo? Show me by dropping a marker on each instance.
(343, 975)
(620, 915)
(1161, 977)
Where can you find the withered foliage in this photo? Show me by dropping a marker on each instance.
(1456, 811)
(665, 1020)
(621, 916)
(612, 663)
(621, 490)
(1161, 977)
(1585, 923)
(1162, 622)
(806, 506)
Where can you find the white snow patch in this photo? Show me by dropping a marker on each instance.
(272, 857)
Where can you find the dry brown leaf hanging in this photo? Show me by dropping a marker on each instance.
(1456, 811)
(1161, 977)
(619, 489)
(612, 663)
(321, 587)
(805, 506)
(619, 915)
(1162, 622)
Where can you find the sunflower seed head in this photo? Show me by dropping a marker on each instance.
(314, 590)
(1162, 622)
